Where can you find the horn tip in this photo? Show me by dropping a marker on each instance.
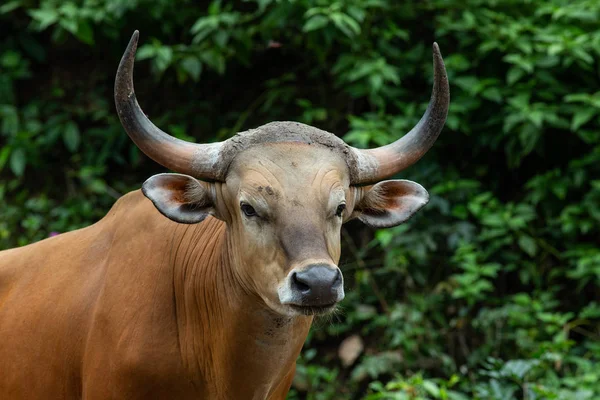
(134, 38)
(437, 57)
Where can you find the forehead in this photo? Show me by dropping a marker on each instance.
(289, 164)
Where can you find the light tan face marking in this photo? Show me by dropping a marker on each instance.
(295, 191)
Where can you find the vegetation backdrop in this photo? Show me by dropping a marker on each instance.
(491, 292)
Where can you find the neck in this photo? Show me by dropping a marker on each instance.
(231, 343)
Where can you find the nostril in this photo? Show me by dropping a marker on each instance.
(338, 279)
(303, 287)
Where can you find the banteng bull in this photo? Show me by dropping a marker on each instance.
(204, 284)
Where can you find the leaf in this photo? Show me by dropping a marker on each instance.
(452, 395)
(45, 17)
(262, 5)
(10, 6)
(582, 116)
(221, 37)
(17, 162)
(514, 74)
(520, 101)
(214, 8)
(537, 117)
(345, 24)
(578, 97)
(431, 388)
(351, 23)
(375, 365)
(314, 23)
(4, 154)
(493, 220)
(69, 10)
(10, 120)
(592, 310)
(528, 245)
(146, 51)
(501, 391)
(164, 56)
(528, 137)
(492, 93)
(214, 60)
(519, 60)
(85, 32)
(583, 55)
(192, 66)
(71, 136)
(384, 236)
(519, 368)
(357, 13)
(204, 27)
(97, 186)
(70, 25)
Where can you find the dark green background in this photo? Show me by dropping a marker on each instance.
(491, 292)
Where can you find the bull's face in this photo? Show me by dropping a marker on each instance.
(284, 190)
(284, 205)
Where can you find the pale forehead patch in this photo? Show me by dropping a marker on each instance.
(298, 173)
(287, 132)
(290, 159)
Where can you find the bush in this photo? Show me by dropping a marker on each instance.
(490, 293)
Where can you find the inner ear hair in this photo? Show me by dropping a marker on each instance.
(373, 199)
(196, 195)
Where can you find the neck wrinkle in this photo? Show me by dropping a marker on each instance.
(225, 333)
(202, 286)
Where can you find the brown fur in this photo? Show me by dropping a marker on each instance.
(138, 307)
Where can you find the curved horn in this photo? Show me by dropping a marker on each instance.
(198, 160)
(377, 164)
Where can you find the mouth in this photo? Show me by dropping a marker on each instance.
(314, 310)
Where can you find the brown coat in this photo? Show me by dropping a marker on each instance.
(138, 307)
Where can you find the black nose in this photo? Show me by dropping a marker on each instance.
(318, 285)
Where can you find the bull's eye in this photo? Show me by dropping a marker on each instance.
(248, 210)
(340, 210)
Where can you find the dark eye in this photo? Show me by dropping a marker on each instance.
(340, 210)
(248, 210)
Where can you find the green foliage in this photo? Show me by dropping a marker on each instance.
(490, 293)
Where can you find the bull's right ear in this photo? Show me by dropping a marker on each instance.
(389, 203)
(180, 198)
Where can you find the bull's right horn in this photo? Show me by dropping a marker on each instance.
(198, 160)
(380, 163)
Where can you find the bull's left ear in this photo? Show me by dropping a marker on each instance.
(180, 198)
(389, 203)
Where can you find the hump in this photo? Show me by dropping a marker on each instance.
(287, 131)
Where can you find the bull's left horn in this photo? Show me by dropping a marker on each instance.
(380, 163)
(198, 160)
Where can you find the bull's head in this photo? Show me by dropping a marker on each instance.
(284, 191)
